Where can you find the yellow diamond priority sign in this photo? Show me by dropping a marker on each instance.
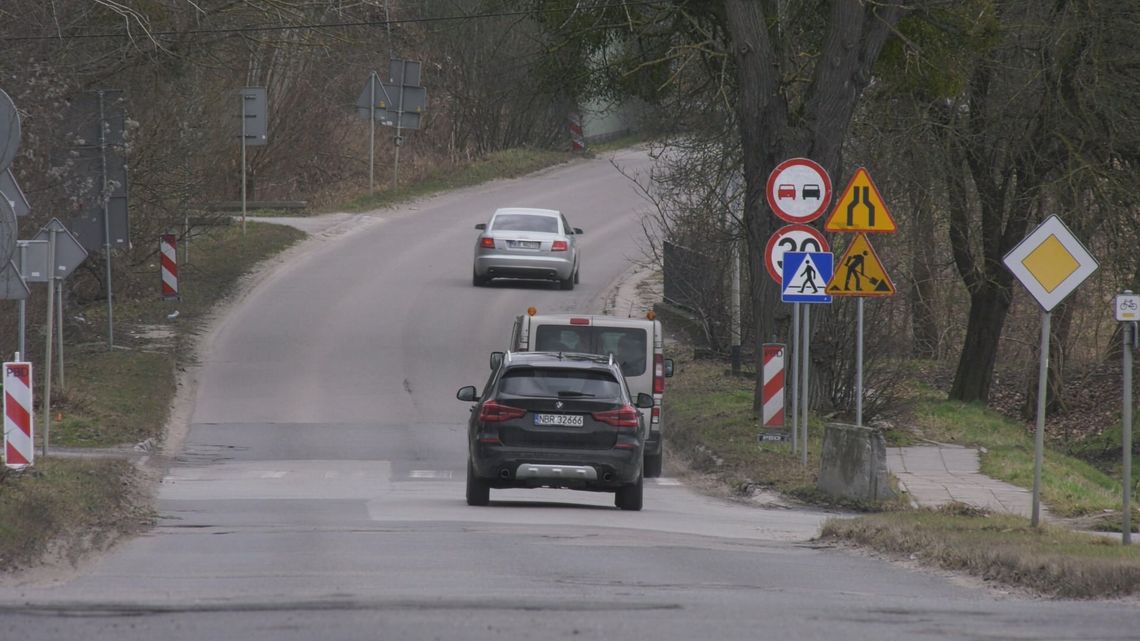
(1050, 262)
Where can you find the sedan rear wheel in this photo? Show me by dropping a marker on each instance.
(477, 280)
(567, 284)
(629, 497)
(478, 490)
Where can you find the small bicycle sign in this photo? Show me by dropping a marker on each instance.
(1128, 307)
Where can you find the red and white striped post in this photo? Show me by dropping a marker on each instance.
(577, 140)
(773, 389)
(19, 451)
(169, 250)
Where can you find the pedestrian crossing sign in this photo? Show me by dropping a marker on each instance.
(860, 272)
(860, 208)
(805, 277)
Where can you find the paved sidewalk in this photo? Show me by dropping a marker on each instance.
(936, 474)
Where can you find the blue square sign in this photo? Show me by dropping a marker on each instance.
(805, 277)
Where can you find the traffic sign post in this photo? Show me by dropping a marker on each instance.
(798, 190)
(1051, 263)
(1127, 309)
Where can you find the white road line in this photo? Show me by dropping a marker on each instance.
(429, 474)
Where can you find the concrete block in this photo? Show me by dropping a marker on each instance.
(854, 463)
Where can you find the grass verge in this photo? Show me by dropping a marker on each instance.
(1051, 561)
(510, 163)
(83, 504)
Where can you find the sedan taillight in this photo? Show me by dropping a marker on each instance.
(493, 412)
(623, 417)
(487, 242)
(559, 246)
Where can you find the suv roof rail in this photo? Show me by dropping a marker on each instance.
(611, 357)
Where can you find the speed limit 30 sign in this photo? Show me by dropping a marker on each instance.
(791, 238)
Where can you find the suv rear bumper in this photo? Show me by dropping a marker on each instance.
(597, 470)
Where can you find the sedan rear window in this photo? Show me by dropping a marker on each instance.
(525, 222)
(559, 383)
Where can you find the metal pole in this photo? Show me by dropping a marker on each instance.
(23, 333)
(806, 389)
(734, 324)
(106, 233)
(793, 353)
(1126, 437)
(399, 124)
(243, 164)
(50, 340)
(859, 363)
(372, 133)
(1039, 436)
(59, 331)
(186, 240)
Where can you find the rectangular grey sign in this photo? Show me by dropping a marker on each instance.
(404, 72)
(255, 111)
(88, 228)
(32, 258)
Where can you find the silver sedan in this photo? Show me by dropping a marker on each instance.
(526, 243)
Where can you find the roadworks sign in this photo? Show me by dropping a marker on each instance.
(861, 208)
(860, 272)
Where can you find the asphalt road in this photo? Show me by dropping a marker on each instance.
(319, 491)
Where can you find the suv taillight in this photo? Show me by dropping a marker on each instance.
(623, 417)
(658, 374)
(487, 242)
(493, 412)
(559, 246)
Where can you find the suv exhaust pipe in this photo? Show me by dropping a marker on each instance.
(608, 476)
(505, 473)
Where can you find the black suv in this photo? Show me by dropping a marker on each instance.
(555, 420)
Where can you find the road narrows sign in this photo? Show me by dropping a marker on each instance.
(806, 275)
(799, 190)
(795, 238)
(860, 272)
(860, 208)
(1051, 262)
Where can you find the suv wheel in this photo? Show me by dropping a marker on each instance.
(478, 490)
(653, 465)
(628, 497)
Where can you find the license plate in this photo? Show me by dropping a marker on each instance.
(524, 244)
(564, 420)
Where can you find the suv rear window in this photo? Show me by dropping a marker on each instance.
(554, 383)
(627, 344)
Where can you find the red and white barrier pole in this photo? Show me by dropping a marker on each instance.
(19, 451)
(169, 250)
(773, 390)
(577, 140)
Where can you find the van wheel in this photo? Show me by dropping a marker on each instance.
(628, 497)
(478, 490)
(653, 465)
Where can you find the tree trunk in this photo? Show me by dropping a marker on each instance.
(989, 305)
(925, 335)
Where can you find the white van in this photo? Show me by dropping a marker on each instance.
(636, 343)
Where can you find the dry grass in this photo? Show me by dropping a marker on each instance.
(1003, 548)
(65, 507)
